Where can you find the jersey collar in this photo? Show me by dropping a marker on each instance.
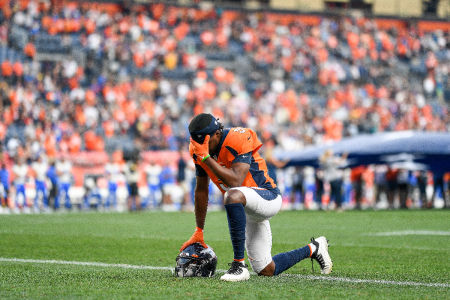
(219, 147)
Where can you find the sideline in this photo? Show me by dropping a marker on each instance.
(309, 277)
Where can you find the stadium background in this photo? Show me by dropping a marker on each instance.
(87, 79)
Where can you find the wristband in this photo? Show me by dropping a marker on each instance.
(203, 160)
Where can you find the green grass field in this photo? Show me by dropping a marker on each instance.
(376, 254)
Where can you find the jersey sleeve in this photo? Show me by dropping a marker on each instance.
(249, 142)
(199, 171)
(245, 158)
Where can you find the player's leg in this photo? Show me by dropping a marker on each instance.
(234, 202)
(20, 196)
(45, 195)
(259, 239)
(113, 195)
(68, 203)
(40, 192)
(259, 245)
(243, 204)
(57, 193)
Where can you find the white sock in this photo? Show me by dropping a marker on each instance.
(313, 248)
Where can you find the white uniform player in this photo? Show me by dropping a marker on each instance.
(113, 171)
(64, 170)
(20, 171)
(153, 171)
(40, 168)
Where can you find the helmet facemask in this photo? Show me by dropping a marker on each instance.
(196, 261)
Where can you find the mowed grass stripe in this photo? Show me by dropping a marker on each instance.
(308, 277)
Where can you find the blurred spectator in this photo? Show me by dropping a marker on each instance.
(40, 168)
(320, 186)
(64, 171)
(52, 176)
(357, 179)
(167, 179)
(422, 182)
(20, 173)
(391, 179)
(331, 166)
(380, 183)
(153, 172)
(297, 196)
(132, 176)
(4, 184)
(12, 146)
(438, 186)
(92, 197)
(273, 164)
(113, 169)
(402, 186)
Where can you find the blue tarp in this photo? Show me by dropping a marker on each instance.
(407, 149)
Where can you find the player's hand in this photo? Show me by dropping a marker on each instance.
(197, 237)
(201, 150)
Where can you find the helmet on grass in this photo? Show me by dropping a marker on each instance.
(196, 261)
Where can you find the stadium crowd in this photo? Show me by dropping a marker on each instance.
(85, 77)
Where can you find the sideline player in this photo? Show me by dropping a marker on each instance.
(230, 158)
(40, 168)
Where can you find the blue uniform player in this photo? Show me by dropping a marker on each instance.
(4, 184)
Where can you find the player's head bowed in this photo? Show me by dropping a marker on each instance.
(202, 125)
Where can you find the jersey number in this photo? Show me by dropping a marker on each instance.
(239, 129)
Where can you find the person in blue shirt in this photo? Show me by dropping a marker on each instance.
(167, 179)
(4, 184)
(64, 171)
(53, 177)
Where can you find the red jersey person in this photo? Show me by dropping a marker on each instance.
(230, 158)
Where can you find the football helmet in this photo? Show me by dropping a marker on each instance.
(196, 261)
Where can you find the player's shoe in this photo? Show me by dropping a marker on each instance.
(238, 271)
(321, 255)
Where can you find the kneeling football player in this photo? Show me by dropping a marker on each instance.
(230, 158)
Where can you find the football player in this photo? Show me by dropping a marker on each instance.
(230, 158)
(40, 168)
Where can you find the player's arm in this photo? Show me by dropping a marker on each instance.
(233, 177)
(201, 200)
(201, 205)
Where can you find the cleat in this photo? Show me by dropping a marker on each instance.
(321, 255)
(238, 272)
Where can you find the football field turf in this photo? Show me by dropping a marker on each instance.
(376, 254)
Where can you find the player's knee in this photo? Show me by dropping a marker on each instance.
(265, 273)
(269, 270)
(233, 196)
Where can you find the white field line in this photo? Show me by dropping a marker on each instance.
(309, 277)
(408, 232)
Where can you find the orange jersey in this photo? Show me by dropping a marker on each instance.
(239, 145)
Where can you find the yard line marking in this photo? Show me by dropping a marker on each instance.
(80, 263)
(310, 277)
(408, 232)
(371, 281)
